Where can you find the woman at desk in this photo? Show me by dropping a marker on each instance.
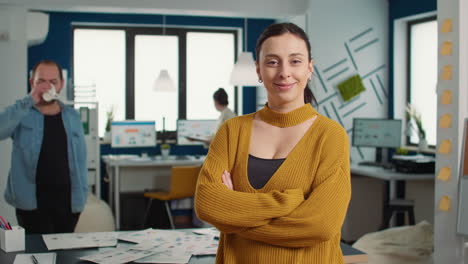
(277, 182)
(221, 103)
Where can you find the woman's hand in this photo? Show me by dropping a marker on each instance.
(227, 180)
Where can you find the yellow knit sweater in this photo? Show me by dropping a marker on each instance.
(297, 216)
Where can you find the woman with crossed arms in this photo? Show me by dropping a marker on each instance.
(276, 182)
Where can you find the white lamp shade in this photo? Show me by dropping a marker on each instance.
(164, 82)
(244, 72)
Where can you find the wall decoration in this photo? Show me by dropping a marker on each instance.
(446, 26)
(444, 174)
(351, 87)
(447, 73)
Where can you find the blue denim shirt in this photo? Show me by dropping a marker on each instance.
(25, 125)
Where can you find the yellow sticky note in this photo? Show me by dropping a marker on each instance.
(447, 73)
(446, 26)
(446, 49)
(445, 121)
(444, 203)
(444, 174)
(446, 97)
(445, 146)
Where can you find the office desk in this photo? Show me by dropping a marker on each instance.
(372, 188)
(123, 166)
(391, 176)
(35, 244)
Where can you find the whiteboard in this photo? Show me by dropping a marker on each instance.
(462, 221)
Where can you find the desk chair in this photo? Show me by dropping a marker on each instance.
(183, 184)
(397, 206)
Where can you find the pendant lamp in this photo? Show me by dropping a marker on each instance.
(244, 71)
(164, 82)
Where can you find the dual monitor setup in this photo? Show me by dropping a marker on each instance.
(367, 132)
(132, 133)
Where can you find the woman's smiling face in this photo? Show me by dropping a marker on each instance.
(284, 67)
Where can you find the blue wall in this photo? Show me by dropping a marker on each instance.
(58, 44)
(399, 9)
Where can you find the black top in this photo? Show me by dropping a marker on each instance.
(53, 185)
(261, 170)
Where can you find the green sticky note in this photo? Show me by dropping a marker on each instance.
(351, 87)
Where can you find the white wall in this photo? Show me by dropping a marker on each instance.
(13, 66)
(339, 30)
(240, 8)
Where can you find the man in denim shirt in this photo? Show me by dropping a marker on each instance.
(47, 182)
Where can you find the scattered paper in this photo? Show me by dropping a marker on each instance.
(156, 236)
(444, 174)
(80, 240)
(207, 231)
(159, 246)
(166, 257)
(43, 258)
(117, 256)
(444, 204)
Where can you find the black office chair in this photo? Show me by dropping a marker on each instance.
(398, 206)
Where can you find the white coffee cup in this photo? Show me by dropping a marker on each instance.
(50, 95)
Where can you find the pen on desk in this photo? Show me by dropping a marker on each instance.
(34, 259)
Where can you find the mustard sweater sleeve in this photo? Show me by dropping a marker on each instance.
(321, 216)
(231, 211)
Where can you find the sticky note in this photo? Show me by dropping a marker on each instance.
(445, 146)
(446, 48)
(444, 203)
(447, 72)
(444, 174)
(445, 121)
(446, 26)
(446, 97)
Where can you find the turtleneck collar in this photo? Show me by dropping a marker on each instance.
(295, 117)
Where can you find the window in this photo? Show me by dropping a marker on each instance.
(117, 66)
(99, 71)
(422, 75)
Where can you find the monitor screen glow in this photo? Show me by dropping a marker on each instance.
(374, 132)
(131, 133)
(195, 129)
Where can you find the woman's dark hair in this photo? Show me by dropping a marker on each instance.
(47, 62)
(280, 29)
(221, 97)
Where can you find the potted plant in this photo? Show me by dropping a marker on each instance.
(413, 114)
(165, 149)
(110, 118)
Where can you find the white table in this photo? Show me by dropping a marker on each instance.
(116, 163)
(391, 176)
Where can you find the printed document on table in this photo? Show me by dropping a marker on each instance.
(80, 240)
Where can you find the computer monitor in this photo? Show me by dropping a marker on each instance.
(377, 133)
(195, 132)
(132, 133)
